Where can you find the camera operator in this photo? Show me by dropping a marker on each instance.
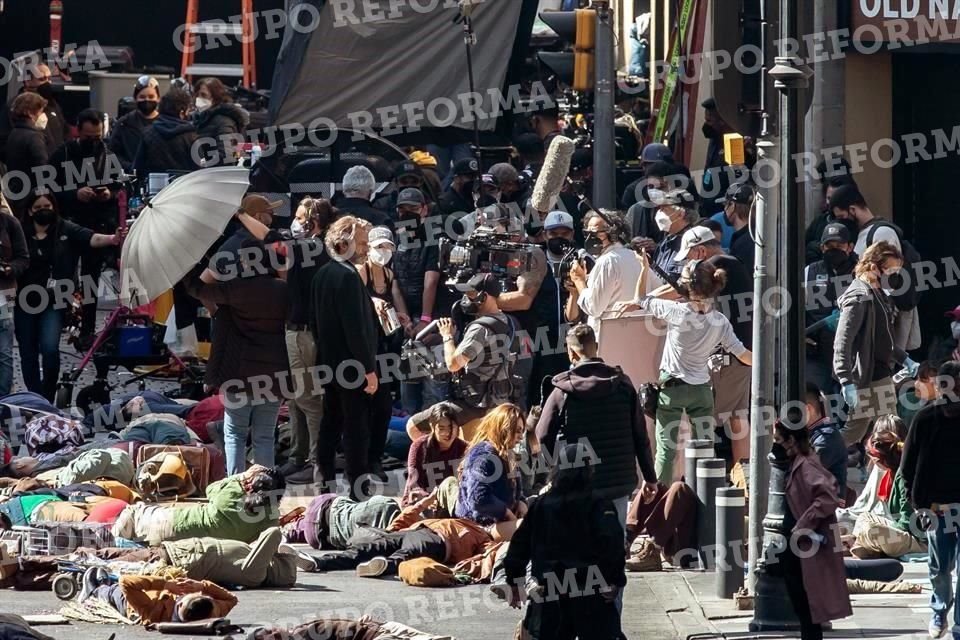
(612, 279)
(484, 358)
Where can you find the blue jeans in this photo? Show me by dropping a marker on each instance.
(260, 416)
(942, 542)
(6, 353)
(415, 396)
(38, 335)
(621, 504)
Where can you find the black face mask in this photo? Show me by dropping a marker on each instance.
(472, 307)
(893, 281)
(486, 201)
(90, 148)
(44, 216)
(466, 188)
(834, 258)
(592, 243)
(146, 107)
(779, 451)
(709, 132)
(558, 246)
(45, 91)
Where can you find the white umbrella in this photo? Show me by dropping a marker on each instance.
(176, 228)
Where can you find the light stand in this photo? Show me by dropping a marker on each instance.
(469, 41)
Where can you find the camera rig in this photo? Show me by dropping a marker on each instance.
(485, 252)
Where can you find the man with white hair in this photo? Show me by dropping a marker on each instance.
(358, 187)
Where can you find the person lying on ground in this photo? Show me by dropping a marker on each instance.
(239, 507)
(149, 600)
(229, 563)
(365, 628)
(434, 457)
(376, 552)
(331, 520)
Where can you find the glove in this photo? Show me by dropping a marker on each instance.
(833, 320)
(911, 366)
(850, 396)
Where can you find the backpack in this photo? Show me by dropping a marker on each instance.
(505, 385)
(910, 296)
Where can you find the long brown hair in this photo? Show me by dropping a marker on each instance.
(500, 428)
(875, 255)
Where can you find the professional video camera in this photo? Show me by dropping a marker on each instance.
(574, 256)
(485, 251)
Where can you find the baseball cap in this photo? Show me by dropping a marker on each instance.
(954, 314)
(466, 166)
(480, 283)
(739, 192)
(581, 159)
(557, 219)
(380, 236)
(410, 195)
(656, 152)
(694, 237)
(255, 203)
(489, 179)
(406, 168)
(835, 231)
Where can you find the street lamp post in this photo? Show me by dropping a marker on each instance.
(605, 75)
(772, 608)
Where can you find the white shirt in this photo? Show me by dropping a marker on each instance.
(883, 233)
(613, 279)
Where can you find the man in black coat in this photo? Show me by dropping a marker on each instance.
(87, 174)
(345, 329)
(168, 144)
(358, 187)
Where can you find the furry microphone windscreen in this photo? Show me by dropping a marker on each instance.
(553, 175)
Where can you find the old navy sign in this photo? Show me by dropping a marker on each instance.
(914, 20)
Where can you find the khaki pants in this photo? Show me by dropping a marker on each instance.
(879, 399)
(306, 406)
(877, 536)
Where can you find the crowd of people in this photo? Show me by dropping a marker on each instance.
(520, 441)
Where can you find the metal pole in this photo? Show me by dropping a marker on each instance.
(711, 475)
(604, 149)
(729, 570)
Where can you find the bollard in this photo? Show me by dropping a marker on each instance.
(695, 450)
(711, 475)
(731, 504)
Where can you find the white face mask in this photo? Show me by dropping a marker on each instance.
(656, 195)
(955, 329)
(202, 104)
(41, 122)
(663, 221)
(380, 257)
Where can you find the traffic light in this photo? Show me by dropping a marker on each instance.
(579, 28)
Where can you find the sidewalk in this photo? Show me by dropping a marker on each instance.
(679, 604)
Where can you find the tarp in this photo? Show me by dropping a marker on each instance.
(395, 66)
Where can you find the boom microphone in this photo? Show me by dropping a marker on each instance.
(553, 175)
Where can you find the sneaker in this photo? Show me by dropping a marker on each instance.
(372, 568)
(303, 476)
(92, 578)
(304, 561)
(938, 624)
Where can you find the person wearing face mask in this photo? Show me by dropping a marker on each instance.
(344, 325)
(416, 263)
(128, 131)
(55, 247)
(847, 203)
(25, 149)
(305, 256)
(738, 202)
(824, 281)
(954, 316)
(457, 200)
(219, 120)
(36, 79)
(865, 353)
(812, 562)
(676, 212)
(89, 201)
(829, 183)
(716, 178)
(168, 145)
(484, 359)
(612, 277)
